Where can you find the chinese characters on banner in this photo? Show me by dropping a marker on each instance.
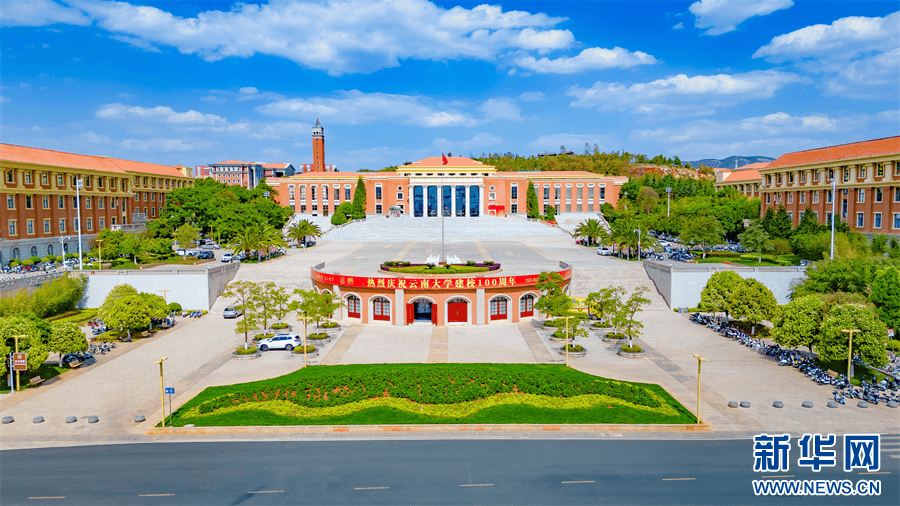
(431, 284)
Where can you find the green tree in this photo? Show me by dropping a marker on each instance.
(185, 235)
(886, 296)
(703, 231)
(625, 316)
(869, 343)
(245, 294)
(550, 213)
(31, 342)
(718, 294)
(755, 238)
(553, 300)
(894, 250)
(532, 205)
(265, 305)
(133, 245)
(768, 221)
(157, 309)
(799, 323)
(781, 225)
(879, 244)
(647, 199)
(342, 213)
(591, 229)
(604, 302)
(66, 337)
(359, 200)
(281, 302)
(248, 241)
(124, 309)
(753, 302)
(304, 229)
(808, 224)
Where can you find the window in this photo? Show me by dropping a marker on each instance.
(153, 212)
(99, 182)
(377, 208)
(62, 225)
(353, 306)
(45, 202)
(860, 195)
(74, 203)
(112, 202)
(556, 193)
(10, 202)
(803, 177)
(312, 192)
(47, 226)
(514, 192)
(498, 308)
(492, 196)
(90, 224)
(514, 208)
(381, 309)
(879, 170)
(791, 178)
(378, 192)
(28, 203)
(828, 196)
(768, 198)
(546, 192)
(29, 227)
(152, 197)
(860, 220)
(896, 194)
(291, 192)
(399, 196)
(59, 180)
(815, 197)
(778, 198)
(101, 202)
(102, 223)
(879, 194)
(12, 227)
(87, 202)
(768, 180)
(27, 177)
(862, 172)
(802, 197)
(10, 176)
(846, 175)
(815, 175)
(602, 192)
(44, 178)
(325, 193)
(790, 198)
(876, 223)
(896, 220)
(347, 194)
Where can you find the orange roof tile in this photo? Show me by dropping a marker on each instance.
(437, 161)
(273, 165)
(742, 175)
(758, 165)
(885, 146)
(49, 157)
(232, 162)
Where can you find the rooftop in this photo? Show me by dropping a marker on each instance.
(23, 154)
(875, 147)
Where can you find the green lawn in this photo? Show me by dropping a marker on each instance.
(46, 371)
(78, 317)
(767, 260)
(378, 394)
(454, 269)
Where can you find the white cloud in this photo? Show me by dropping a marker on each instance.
(679, 26)
(769, 126)
(773, 147)
(355, 107)
(723, 16)
(326, 35)
(532, 96)
(248, 90)
(93, 138)
(501, 109)
(593, 58)
(282, 130)
(572, 142)
(841, 40)
(159, 113)
(892, 115)
(136, 42)
(480, 140)
(40, 13)
(682, 95)
(157, 144)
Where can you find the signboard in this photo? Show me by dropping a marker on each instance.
(170, 390)
(431, 284)
(20, 361)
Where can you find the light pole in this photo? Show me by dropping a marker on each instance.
(850, 352)
(62, 249)
(700, 360)
(164, 292)
(79, 184)
(639, 243)
(833, 215)
(668, 197)
(162, 389)
(100, 254)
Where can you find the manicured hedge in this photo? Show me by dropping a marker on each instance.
(573, 347)
(329, 325)
(425, 384)
(300, 349)
(279, 326)
(246, 351)
(320, 335)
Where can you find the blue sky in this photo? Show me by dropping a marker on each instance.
(198, 81)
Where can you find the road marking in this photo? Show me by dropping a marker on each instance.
(371, 488)
(879, 472)
(52, 497)
(266, 492)
(477, 485)
(585, 481)
(894, 456)
(779, 476)
(156, 495)
(678, 479)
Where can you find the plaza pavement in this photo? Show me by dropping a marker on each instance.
(125, 384)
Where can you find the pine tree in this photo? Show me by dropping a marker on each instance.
(359, 200)
(781, 225)
(532, 206)
(768, 220)
(808, 223)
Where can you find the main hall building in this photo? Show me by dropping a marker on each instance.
(460, 188)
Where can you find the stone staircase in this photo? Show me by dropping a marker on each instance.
(407, 228)
(590, 278)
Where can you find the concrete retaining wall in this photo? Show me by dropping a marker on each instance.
(681, 284)
(192, 288)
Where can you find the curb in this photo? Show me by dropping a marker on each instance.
(327, 429)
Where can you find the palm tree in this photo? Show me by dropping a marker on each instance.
(246, 240)
(269, 237)
(303, 229)
(590, 229)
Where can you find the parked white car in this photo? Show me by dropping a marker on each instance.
(227, 257)
(605, 251)
(279, 342)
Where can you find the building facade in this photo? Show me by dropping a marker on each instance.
(744, 179)
(236, 172)
(867, 178)
(39, 215)
(461, 188)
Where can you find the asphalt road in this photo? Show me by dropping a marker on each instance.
(513, 472)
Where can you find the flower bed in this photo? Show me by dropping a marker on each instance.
(411, 268)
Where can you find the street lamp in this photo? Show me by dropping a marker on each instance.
(850, 352)
(668, 197)
(639, 242)
(62, 248)
(79, 184)
(162, 389)
(700, 360)
(833, 215)
(100, 254)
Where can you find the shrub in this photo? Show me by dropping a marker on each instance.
(429, 265)
(631, 349)
(263, 336)
(71, 255)
(554, 323)
(600, 324)
(205, 312)
(301, 349)
(488, 262)
(279, 326)
(27, 262)
(250, 350)
(782, 246)
(329, 325)
(893, 344)
(616, 335)
(317, 336)
(389, 263)
(470, 263)
(174, 306)
(561, 333)
(48, 258)
(35, 259)
(573, 347)
(14, 262)
(60, 258)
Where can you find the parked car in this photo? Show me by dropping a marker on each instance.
(190, 253)
(279, 342)
(205, 255)
(227, 257)
(232, 312)
(181, 252)
(209, 245)
(605, 251)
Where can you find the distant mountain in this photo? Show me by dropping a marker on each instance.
(731, 162)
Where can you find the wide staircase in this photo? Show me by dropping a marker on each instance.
(407, 228)
(590, 277)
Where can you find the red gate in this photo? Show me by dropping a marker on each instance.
(457, 312)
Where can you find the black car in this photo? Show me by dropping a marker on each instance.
(205, 255)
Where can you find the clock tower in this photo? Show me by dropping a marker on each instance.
(318, 145)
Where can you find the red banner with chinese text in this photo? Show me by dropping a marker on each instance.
(431, 284)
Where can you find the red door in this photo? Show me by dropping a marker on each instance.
(434, 314)
(458, 312)
(498, 309)
(353, 307)
(381, 308)
(410, 313)
(526, 306)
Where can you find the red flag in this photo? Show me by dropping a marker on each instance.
(444, 157)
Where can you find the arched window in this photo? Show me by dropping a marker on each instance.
(15, 254)
(498, 308)
(50, 249)
(381, 309)
(34, 251)
(353, 306)
(526, 305)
